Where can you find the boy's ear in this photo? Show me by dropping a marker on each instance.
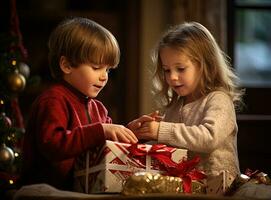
(65, 65)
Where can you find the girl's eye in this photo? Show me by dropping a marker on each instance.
(180, 69)
(166, 70)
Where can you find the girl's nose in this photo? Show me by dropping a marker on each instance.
(173, 76)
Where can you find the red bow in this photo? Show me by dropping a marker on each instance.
(185, 169)
(159, 151)
(251, 174)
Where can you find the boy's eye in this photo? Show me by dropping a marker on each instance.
(95, 67)
(108, 70)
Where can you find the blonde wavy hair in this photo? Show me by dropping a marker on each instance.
(196, 42)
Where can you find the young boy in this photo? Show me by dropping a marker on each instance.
(66, 120)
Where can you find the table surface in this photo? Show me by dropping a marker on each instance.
(163, 196)
(47, 192)
(133, 197)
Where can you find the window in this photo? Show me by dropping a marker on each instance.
(252, 45)
(250, 49)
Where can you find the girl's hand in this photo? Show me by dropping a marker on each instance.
(119, 133)
(136, 124)
(148, 130)
(156, 115)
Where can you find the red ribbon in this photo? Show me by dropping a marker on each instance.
(159, 151)
(251, 174)
(185, 169)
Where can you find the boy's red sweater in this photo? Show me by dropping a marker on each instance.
(63, 124)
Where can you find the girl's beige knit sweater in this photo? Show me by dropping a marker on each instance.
(206, 127)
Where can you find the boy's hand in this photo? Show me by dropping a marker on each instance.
(119, 133)
(148, 131)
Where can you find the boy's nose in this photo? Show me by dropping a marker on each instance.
(104, 75)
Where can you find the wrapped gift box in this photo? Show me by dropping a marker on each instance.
(105, 169)
(218, 185)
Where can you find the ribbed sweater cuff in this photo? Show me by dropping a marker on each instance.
(165, 131)
(94, 135)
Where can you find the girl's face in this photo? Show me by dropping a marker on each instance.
(88, 78)
(180, 72)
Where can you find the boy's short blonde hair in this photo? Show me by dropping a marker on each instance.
(82, 41)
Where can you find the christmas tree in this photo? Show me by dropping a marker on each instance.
(14, 73)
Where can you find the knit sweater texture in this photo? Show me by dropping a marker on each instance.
(63, 124)
(206, 127)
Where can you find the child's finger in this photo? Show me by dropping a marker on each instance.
(145, 118)
(143, 130)
(156, 115)
(137, 125)
(123, 138)
(131, 136)
(158, 118)
(134, 125)
(114, 137)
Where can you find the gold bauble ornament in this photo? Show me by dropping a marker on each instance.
(16, 82)
(6, 155)
(24, 69)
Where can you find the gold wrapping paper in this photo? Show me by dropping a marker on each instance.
(261, 178)
(258, 178)
(143, 183)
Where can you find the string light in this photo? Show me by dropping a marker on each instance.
(11, 182)
(13, 62)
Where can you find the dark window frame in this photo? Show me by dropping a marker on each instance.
(257, 99)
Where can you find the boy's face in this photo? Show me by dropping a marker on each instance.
(88, 78)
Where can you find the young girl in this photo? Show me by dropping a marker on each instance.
(199, 94)
(66, 120)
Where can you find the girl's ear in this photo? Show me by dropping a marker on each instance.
(65, 65)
